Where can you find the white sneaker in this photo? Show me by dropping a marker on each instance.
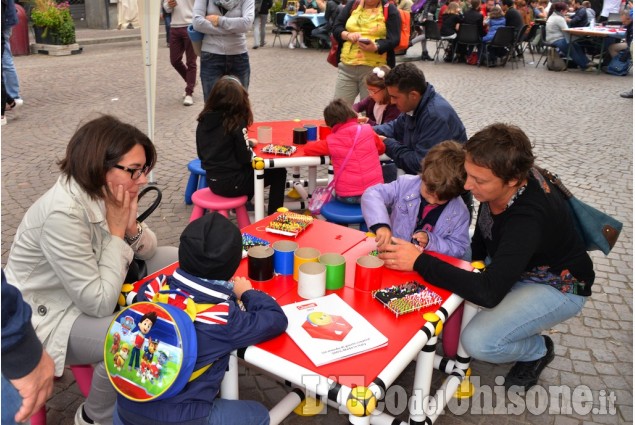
(18, 102)
(188, 101)
(291, 46)
(302, 45)
(79, 420)
(3, 120)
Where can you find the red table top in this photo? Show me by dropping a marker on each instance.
(363, 368)
(282, 134)
(399, 330)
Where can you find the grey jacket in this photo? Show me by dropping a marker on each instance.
(65, 262)
(228, 38)
(450, 235)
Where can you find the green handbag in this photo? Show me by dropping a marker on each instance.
(599, 230)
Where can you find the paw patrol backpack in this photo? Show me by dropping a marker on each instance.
(150, 349)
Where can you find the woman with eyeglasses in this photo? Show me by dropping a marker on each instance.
(71, 252)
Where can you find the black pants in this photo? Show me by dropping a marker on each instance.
(243, 184)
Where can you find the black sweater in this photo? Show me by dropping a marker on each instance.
(537, 230)
(223, 155)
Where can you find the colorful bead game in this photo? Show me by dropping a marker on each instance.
(407, 297)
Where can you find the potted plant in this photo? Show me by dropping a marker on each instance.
(277, 7)
(52, 22)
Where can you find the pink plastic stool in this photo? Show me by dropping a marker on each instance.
(205, 199)
(83, 376)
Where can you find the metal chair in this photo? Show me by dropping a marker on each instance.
(280, 28)
(527, 44)
(519, 48)
(614, 18)
(546, 46)
(468, 36)
(433, 34)
(504, 39)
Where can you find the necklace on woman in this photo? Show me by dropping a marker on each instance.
(519, 192)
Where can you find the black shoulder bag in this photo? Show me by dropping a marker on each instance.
(138, 269)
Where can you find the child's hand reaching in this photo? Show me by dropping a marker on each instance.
(383, 235)
(421, 238)
(241, 285)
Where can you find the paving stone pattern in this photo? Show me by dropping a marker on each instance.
(579, 125)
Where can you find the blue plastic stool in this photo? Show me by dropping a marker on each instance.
(196, 181)
(341, 213)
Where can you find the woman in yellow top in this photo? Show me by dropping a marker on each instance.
(366, 40)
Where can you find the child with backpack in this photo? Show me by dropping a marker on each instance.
(354, 150)
(209, 253)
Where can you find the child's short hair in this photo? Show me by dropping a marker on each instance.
(586, 4)
(338, 112)
(443, 170)
(375, 78)
(210, 247)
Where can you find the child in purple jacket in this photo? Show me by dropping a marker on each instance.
(425, 208)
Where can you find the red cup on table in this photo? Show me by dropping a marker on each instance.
(323, 131)
(368, 273)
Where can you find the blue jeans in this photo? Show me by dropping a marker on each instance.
(9, 75)
(11, 402)
(576, 53)
(214, 66)
(511, 331)
(226, 412)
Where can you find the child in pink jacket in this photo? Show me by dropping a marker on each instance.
(362, 170)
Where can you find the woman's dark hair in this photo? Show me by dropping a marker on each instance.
(338, 112)
(476, 4)
(98, 146)
(230, 98)
(443, 172)
(503, 148)
(558, 7)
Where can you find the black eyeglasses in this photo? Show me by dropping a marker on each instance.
(135, 173)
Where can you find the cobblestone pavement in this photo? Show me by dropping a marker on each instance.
(580, 126)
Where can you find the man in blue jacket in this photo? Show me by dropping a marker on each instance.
(426, 119)
(27, 370)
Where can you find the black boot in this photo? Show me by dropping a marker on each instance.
(426, 57)
(526, 374)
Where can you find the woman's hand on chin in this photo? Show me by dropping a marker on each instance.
(118, 210)
(400, 255)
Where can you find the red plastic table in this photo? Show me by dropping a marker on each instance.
(410, 336)
(282, 134)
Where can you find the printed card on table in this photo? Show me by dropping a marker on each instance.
(327, 329)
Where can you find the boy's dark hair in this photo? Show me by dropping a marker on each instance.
(443, 172)
(407, 77)
(476, 4)
(503, 148)
(151, 316)
(96, 147)
(508, 3)
(210, 247)
(338, 112)
(229, 97)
